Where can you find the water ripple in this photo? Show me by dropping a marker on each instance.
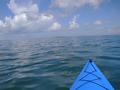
(54, 63)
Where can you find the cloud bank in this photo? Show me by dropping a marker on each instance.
(28, 18)
(72, 4)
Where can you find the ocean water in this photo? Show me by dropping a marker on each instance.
(54, 63)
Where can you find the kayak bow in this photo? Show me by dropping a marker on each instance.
(91, 78)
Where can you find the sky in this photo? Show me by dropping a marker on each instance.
(59, 17)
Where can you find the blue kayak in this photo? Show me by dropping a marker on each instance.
(91, 78)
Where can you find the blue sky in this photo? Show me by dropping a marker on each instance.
(59, 17)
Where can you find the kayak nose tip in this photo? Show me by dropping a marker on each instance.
(90, 60)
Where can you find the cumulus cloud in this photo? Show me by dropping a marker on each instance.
(55, 26)
(70, 4)
(73, 24)
(28, 18)
(1, 23)
(20, 8)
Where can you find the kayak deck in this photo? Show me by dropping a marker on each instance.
(91, 78)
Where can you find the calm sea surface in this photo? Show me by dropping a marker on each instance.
(54, 63)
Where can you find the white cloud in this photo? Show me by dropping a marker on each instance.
(98, 22)
(70, 4)
(41, 23)
(46, 17)
(73, 24)
(19, 8)
(1, 23)
(29, 18)
(55, 26)
(18, 21)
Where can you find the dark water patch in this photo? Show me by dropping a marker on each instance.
(13, 88)
(8, 54)
(6, 80)
(6, 72)
(116, 84)
(9, 59)
(109, 57)
(83, 52)
(116, 47)
(62, 88)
